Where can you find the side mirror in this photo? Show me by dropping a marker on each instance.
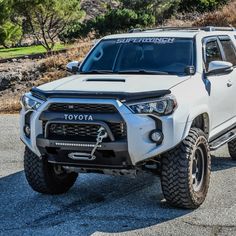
(73, 67)
(219, 68)
(190, 70)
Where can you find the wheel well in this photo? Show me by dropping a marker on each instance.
(202, 122)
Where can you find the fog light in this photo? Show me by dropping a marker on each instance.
(156, 136)
(27, 130)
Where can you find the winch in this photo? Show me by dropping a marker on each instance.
(102, 134)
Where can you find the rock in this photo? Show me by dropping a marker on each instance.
(4, 84)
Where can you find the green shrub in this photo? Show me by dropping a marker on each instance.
(114, 21)
(201, 5)
(10, 34)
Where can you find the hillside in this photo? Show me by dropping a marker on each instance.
(225, 16)
(94, 8)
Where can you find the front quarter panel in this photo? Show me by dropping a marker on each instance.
(193, 100)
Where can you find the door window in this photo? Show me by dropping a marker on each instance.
(212, 52)
(229, 50)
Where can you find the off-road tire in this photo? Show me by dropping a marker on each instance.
(42, 176)
(177, 168)
(232, 149)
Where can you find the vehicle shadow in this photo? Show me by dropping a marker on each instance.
(222, 163)
(96, 203)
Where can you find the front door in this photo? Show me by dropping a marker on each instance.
(220, 96)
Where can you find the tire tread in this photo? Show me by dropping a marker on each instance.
(38, 173)
(175, 178)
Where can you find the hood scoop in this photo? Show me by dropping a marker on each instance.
(105, 80)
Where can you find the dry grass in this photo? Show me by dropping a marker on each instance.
(173, 22)
(58, 62)
(10, 104)
(223, 17)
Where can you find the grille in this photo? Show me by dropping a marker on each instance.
(90, 108)
(83, 132)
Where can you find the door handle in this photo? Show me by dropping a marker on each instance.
(229, 83)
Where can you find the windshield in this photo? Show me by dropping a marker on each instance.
(141, 55)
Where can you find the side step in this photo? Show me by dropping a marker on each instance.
(222, 140)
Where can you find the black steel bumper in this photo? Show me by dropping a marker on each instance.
(108, 155)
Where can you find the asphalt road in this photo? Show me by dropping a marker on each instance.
(105, 205)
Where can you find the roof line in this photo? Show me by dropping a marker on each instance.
(207, 29)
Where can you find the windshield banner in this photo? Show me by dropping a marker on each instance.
(146, 40)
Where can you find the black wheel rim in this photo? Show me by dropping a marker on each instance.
(198, 168)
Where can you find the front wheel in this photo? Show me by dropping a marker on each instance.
(45, 177)
(186, 171)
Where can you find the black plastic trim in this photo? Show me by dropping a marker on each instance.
(117, 146)
(122, 96)
(102, 124)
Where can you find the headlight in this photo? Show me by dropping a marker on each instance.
(161, 106)
(29, 103)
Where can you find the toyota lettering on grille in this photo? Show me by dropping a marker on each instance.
(78, 117)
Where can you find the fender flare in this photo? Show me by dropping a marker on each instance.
(194, 113)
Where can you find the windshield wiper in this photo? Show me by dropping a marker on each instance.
(142, 72)
(97, 72)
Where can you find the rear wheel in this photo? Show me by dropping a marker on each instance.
(45, 177)
(186, 171)
(232, 149)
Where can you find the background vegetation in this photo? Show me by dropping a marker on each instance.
(49, 21)
(136, 14)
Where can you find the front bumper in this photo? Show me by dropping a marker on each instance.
(138, 147)
(109, 155)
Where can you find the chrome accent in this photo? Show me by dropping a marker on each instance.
(101, 135)
(222, 140)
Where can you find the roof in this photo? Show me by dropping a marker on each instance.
(176, 32)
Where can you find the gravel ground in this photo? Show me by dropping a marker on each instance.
(105, 205)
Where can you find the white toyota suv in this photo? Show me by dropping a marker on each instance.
(156, 100)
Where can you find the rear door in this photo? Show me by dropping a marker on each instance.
(219, 93)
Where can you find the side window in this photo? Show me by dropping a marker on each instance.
(212, 52)
(229, 50)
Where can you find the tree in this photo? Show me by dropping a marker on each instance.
(159, 9)
(5, 10)
(129, 14)
(47, 19)
(9, 34)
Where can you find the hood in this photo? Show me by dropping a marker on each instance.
(114, 83)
